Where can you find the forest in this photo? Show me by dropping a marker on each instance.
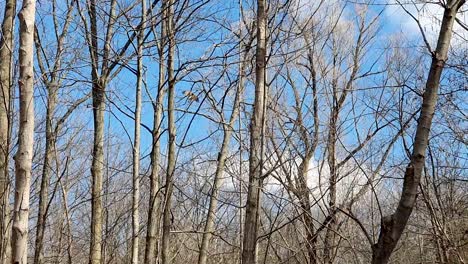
(233, 131)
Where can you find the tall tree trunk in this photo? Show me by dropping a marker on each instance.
(392, 226)
(97, 172)
(136, 145)
(257, 129)
(99, 105)
(23, 157)
(328, 250)
(171, 156)
(306, 206)
(48, 157)
(222, 155)
(151, 249)
(52, 82)
(6, 55)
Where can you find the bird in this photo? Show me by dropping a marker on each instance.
(191, 96)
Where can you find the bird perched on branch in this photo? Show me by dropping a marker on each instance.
(191, 96)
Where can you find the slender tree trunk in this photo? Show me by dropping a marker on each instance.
(151, 250)
(306, 206)
(257, 129)
(392, 226)
(329, 240)
(171, 157)
(99, 105)
(222, 155)
(48, 157)
(303, 193)
(136, 145)
(97, 172)
(66, 212)
(52, 83)
(23, 157)
(6, 54)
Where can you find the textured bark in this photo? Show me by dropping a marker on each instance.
(136, 145)
(171, 155)
(392, 226)
(98, 95)
(97, 172)
(151, 249)
(6, 54)
(257, 129)
(23, 156)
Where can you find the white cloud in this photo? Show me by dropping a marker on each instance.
(429, 16)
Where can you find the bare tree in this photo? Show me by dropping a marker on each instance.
(24, 154)
(102, 71)
(171, 152)
(227, 128)
(6, 81)
(52, 79)
(324, 135)
(257, 130)
(151, 249)
(392, 226)
(99, 82)
(136, 144)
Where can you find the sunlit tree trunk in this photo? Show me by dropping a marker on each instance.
(392, 226)
(46, 169)
(136, 145)
(221, 161)
(257, 129)
(52, 83)
(171, 156)
(6, 54)
(151, 249)
(99, 83)
(23, 156)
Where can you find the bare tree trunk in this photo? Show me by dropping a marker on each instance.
(171, 156)
(151, 249)
(43, 195)
(23, 157)
(52, 83)
(257, 129)
(96, 171)
(306, 206)
(66, 209)
(328, 250)
(222, 155)
(99, 105)
(392, 226)
(6, 54)
(136, 145)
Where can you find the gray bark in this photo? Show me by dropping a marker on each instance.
(222, 155)
(171, 156)
(23, 156)
(52, 83)
(6, 54)
(257, 129)
(136, 145)
(151, 249)
(392, 226)
(98, 95)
